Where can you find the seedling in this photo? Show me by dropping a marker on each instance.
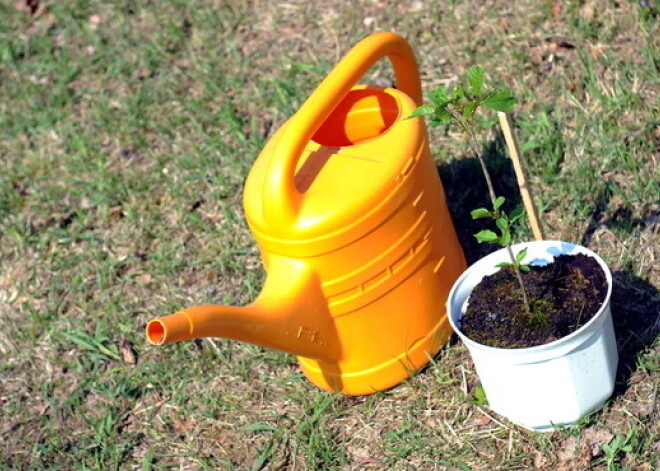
(503, 222)
(458, 106)
(620, 445)
(480, 398)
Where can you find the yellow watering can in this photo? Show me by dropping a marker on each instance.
(360, 252)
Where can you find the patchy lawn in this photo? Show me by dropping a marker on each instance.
(126, 132)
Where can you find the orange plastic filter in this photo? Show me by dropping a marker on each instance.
(347, 208)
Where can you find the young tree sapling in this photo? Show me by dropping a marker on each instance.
(458, 106)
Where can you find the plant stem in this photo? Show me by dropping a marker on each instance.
(528, 307)
(484, 169)
(468, 128)
(491, 191)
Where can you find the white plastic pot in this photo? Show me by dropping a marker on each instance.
(544, 386)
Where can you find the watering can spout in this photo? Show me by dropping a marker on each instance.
(289, 315)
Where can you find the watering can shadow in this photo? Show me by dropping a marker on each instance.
(350, 217)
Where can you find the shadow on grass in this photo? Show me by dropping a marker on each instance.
(465, 189)
(635, 301)
(636, 322)
(623, 219)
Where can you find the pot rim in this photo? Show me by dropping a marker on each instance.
(568, 342)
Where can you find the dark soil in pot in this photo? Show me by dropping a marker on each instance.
(564, 295)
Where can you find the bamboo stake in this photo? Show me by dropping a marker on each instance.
(521, 176)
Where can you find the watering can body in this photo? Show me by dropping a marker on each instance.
(349, 214)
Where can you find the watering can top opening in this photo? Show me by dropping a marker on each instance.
(339, 165)
(348, 171)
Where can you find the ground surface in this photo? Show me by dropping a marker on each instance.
(126, 132)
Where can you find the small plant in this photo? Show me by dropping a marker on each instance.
(458, 106)
(480, 398)
(620, 445)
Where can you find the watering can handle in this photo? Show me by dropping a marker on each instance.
(281, 197)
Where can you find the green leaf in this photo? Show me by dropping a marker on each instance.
(458, 93)
(424, 110)
(502, 224)
(480, 396)
(520, 256)
(441, 113)
(480, 213)
(506, 238)
(500, 101)
(504, 264)
(524, 267)
(516, 214)
(439, 122)
(468, 110)
(441, 116)
(485, 236)
(439, 96)
(475, 77)
(499, 202)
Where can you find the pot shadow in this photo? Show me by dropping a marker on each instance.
(598, 213)
(635, 311)
(465, 190)
(636, 319)
(623, 219)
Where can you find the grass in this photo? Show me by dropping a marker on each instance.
(126, 132)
